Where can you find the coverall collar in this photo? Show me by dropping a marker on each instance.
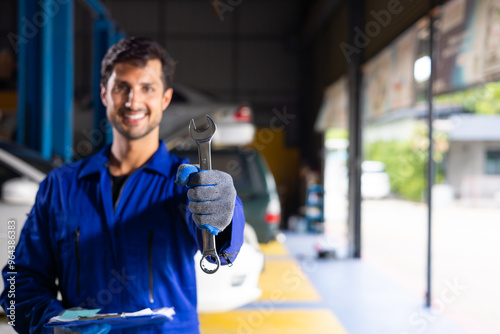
(160, 162)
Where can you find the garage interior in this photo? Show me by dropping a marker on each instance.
(279, 57)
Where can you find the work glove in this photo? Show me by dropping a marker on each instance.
(86, 329)
(211, 196)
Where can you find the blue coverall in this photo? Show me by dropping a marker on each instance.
(123, 259)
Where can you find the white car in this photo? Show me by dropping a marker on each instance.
(375, 183)
(234, 121)
(21, 171)
(232, 286)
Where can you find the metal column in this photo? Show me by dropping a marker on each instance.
(47, 84)
(355, 124)
(45, 48)
(430, 158)
(45, 79)
(63, 88)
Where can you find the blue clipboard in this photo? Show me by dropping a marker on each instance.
(115, 322)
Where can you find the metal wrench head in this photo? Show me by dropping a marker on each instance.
(210, 261)
(205, 134)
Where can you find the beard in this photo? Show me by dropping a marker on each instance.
(132, 132)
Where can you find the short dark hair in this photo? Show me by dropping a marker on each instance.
(137, 50)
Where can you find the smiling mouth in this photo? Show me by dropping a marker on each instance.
(133, 115)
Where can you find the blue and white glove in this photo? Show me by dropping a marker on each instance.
(211, 196)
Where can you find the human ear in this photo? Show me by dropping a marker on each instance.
(103, 95)
(167, 97)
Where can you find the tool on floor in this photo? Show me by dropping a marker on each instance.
(210, 261)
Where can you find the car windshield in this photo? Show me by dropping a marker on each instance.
(31, 157)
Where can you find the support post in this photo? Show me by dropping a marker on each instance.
(355, 124)
(63, 90)
(45, 50)
(45, 82)
(47, 85)
(430, 159)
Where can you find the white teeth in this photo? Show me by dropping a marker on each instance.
(134, 116)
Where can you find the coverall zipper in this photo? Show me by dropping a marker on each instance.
(226, 257)
(120, 193)
(150, 259)
(77, 251)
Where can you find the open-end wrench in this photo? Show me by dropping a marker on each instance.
(203, 139)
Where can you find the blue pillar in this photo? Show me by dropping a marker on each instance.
(47, 82)
(63, 76)
(45, 77)
(45, 48)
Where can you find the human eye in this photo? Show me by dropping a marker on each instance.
(120, 88)
(147, 89)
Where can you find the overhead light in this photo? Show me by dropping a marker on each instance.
(422, 69)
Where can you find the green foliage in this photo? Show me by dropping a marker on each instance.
(336, 133)
(483, 99)
(405, 165)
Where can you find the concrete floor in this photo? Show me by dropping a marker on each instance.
(313, 295)
(384, 291)
(364, 298)
(465, 254)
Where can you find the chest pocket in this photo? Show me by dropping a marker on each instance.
(80, 242)
(147, 237)
(74, 230)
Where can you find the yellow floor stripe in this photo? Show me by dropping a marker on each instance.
(270, 320)
(273, 248)
(284, 281)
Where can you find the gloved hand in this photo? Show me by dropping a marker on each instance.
(87, 329)
(211, 194)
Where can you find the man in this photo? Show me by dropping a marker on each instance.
(114, 229)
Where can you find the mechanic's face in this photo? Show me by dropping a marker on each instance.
(135, 99)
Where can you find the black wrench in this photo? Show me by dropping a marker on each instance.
(203, 139)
